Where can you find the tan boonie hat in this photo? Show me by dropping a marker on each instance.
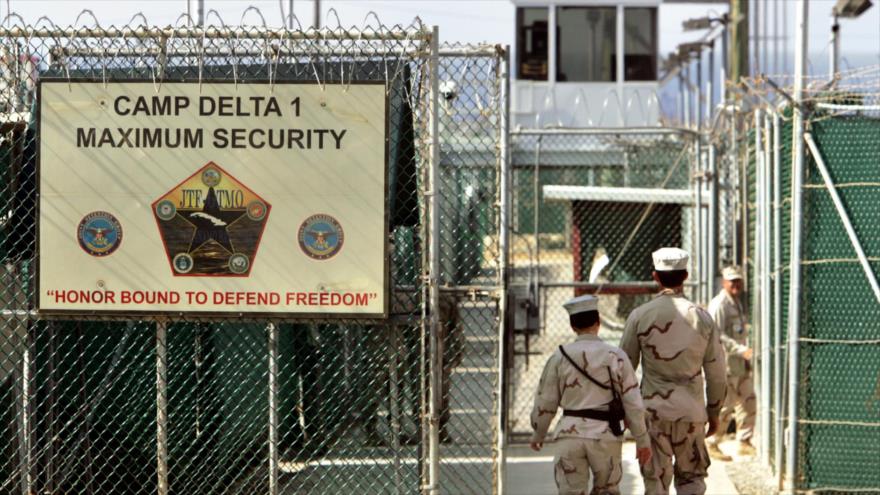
(581, 304)
(669, 259)
(731, 273)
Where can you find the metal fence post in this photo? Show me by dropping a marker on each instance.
(700, 263)
(712, 227)
(765, 289)
(503, 260)
(797, 225)
(434, 352)
(756, 294)
(777, 299)
(161, 407)
(272, 330)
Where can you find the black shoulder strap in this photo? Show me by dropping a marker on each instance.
(583, 372)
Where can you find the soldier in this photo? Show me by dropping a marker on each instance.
(726, 309)
(677, 341)
(579, 378)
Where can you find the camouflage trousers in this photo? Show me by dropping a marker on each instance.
(576, 458)
(740, 401)
(677, 448)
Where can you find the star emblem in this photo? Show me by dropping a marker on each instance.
(211, 224)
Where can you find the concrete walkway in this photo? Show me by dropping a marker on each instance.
(531, 473)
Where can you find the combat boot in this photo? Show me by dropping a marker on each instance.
(716, 453)
(746, 449)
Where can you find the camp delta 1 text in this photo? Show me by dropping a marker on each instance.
(238, 137)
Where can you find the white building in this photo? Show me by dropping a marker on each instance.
(585, 63)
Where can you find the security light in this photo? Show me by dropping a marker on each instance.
(697, 24)
(851, 8)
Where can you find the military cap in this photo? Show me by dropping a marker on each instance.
(581, 304)
(669, 259)
(732, 273)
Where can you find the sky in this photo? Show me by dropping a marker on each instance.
(459, 20)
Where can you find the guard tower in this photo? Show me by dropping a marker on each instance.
(586, 63)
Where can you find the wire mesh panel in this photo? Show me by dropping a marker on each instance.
(470, 114)
(588, 210)
(838, 407)
(177, 404)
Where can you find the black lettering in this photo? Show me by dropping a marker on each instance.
(225, 103)
(106, 138)
(141, 106)
(125, 137)
(192, 138)
(320, 133)
(220, 138)
(169, 143)
(338, 137)
(121, 111)
(180, 102)
(272, 107)
(206, 106)
(152, 138)
(85, 139)
(238, 138)
(254, 142)
(294, 136)
(161, 105)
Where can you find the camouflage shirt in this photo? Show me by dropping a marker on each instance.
(677, 341)
(563, 386)
(731, 321)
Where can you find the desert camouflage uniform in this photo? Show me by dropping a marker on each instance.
(582, 444)
(730, 319)
(676, 341)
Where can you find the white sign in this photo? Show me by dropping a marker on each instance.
(213, 198)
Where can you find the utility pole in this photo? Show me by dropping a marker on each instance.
(317, 23)
(739, 40)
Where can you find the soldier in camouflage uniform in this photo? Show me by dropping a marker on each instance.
(578, 377)
(727, 311)
(676, 341)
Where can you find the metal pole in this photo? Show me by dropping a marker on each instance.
(686, 81)
(765, 292)
(844, 217)
(765, 31)
(200, 12)
(734, 182)
(712, 223)
(317, 21)
(503, 243)
(797, 211)
(272, 330)
(394, 402)
(834, 53)
(701, 231)
(436, 363)
(776, 65)
(682, 99)
(759, 67)
(784, 37)
(757, 299)
(161, 408)
(777, 298)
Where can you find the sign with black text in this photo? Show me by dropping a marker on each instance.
(213, 198)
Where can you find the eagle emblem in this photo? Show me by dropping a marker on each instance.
(321, 237)
(99, 234)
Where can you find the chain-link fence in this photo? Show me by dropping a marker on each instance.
(589, 207)
(832, 362)
(185, 404)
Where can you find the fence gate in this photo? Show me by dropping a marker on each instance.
(589, 206)
(176, 403)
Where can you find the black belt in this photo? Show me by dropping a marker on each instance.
(588, 413)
